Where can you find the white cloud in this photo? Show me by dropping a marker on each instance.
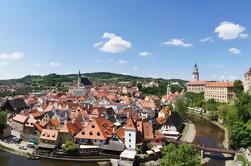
(114, 44)
(229, 31)
(244, 35)
(207, 39)
(98, 44)
(145, 54)
(135, 68)
(3, 63)
(234, 50)
(11, 56)
(178, 42)
(122, 62)
(55, 64)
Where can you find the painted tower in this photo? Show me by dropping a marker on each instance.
(196, 76)
(130, 134)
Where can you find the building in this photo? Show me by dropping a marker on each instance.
(18, 122)
(219, 91)
(83, 86)
(97, 132)
(196, 85)
(247, 81)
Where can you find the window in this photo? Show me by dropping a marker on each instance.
(93, 126)
(130, 146)
(90, 133)
(98, 133)
(130, 140)
(129, 134)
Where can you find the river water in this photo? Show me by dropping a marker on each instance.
(8, 159)
(209, 134)
(206, 133)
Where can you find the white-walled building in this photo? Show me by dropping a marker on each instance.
(247, 81)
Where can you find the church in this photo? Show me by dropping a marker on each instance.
(83, 86)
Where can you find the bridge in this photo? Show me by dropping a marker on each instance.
(205, 147)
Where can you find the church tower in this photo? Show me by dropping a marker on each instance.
(168, 89)
(196, 73)
(79, 79)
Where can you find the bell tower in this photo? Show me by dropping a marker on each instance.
(196, 75)
(79, 79)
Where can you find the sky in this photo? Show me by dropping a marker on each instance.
(153, 38)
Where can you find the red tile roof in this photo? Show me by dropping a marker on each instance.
(220, 84)
(99, 129)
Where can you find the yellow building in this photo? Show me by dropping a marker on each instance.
(219, 91)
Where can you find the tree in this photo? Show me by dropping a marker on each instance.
(195, 99)
(224, 109)
(183, 154)
(238, 87)
(3, 120)
(240, 135)
(181, 107)
(242, 104)
(70, 148)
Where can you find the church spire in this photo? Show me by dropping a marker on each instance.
(79, 79)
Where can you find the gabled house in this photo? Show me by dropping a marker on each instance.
(15, 105)
(172, 126)
(67, 132)
(18, 122)
(96, 132)
(49, 136)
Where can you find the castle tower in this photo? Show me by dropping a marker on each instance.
(196, 73)
(79, 79)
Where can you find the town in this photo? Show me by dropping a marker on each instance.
(107, 121)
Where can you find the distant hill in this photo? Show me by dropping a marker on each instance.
(98, 77)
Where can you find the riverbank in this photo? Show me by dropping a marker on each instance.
(11, 148)
(189, 132)
(14, 149)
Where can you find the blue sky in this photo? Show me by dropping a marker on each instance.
(156, 38)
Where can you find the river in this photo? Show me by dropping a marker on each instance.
(209, 134)
(8, 159)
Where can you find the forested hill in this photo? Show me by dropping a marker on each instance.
(99, 77)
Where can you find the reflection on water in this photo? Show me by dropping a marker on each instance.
(211, 135)
(7, 159)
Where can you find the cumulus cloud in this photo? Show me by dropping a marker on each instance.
(145, 54)
(11, 56)
(234, 50)
(244, 35)
(178, 42)
(207, 39)
(114, 44)
(229, 31)
(123, 62)
(55, 64)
